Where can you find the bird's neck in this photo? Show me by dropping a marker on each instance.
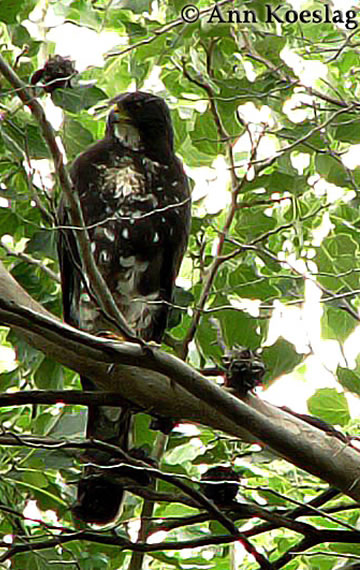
(128, 135)
(158, 148)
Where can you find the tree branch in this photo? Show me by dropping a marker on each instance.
(73, 397)
(143, 377)
(236, 187)
(98, 284)
(34, 544)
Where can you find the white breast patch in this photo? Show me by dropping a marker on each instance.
(124, 181)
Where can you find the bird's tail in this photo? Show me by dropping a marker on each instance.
(99, 496)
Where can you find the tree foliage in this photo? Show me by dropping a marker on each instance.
(269, 144)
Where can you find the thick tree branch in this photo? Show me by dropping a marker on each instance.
(142, 375)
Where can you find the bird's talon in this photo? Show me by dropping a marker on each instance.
(150, 346)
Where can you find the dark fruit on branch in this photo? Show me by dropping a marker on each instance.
(220, 484)
(56, 74)
(89, 508)
(244, 370)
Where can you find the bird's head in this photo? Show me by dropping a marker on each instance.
(142, 120)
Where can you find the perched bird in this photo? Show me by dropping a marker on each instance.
(135, 200)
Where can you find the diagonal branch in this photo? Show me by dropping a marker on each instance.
(35, 544)
(236, 187)
(143, 377)
(98, 284)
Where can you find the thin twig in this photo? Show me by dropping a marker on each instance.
(162, 31)
(237, 186)
(28, 259)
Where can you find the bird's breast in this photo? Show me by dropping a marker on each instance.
(121, 179)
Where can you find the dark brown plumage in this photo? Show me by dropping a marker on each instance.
(136, 203)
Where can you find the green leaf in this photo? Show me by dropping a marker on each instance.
(76, 137)
(163, 558)
(9, 221)
(35, 478)
(8, 379)
(49, 375)
(347, 61)
(182, 454)
(20, 37)
(247, 229)
(349, 131)
(71, 423)
(19, 34)
(36, 146)
(42, 243)
(280, 358)
(330, 406)
(332, 170)
(181, 298)
(349, 379)
(78, 98)
(205, 136)
(207, 340)
(335, 260)
(136, 6)
(10, 9)
(352, 548)
(336, 324)
(309, 141)
(271, 50)
(245, 282)
(239, 328)
(26, 562)
(143, 435)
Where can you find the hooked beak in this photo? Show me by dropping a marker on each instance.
(121, 115)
